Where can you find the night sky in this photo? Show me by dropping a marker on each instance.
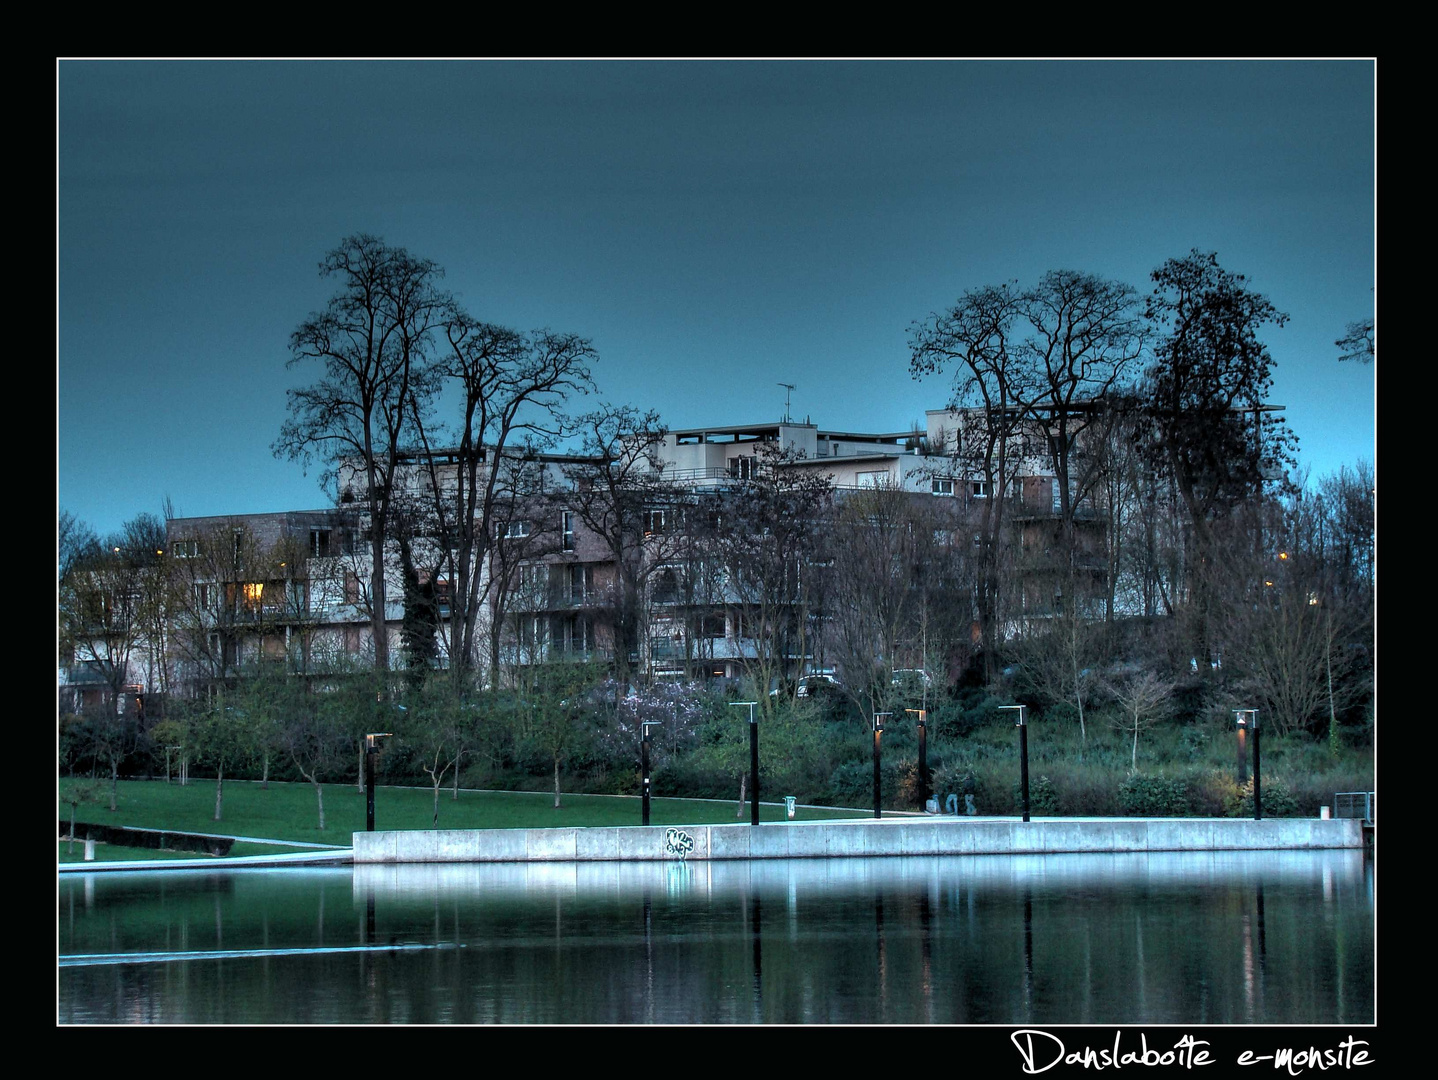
(715, 228)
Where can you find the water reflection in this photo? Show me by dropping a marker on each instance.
(1237, 937)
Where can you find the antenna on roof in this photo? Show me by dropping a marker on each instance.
(788, 389)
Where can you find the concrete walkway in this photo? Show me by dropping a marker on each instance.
(332, 857)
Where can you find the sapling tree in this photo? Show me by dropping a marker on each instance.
(1143, 700)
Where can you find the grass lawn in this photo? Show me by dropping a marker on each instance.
(289, 812)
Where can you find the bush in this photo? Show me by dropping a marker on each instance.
(1086, 791)
(852, 784)
(1043, 798)
(1277, 800)
(1215, 794)
(1154, 796)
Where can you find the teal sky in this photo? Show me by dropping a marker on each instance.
(715, 227)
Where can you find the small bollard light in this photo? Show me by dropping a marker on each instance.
(1022, 725)
(790, 802)
(371, 747)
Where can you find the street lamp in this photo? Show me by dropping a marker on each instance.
(878, 730)
(644, 726)
(371, 747)
(753, 758)
(1251, 718)
(1242, 720)
(923, 756)
(1023, 727)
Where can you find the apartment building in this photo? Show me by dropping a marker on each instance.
(298, 583)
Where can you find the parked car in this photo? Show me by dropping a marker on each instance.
(818, 684)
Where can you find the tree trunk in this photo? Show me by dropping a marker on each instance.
(556, 781)
(219, 790)
(72, 828)
(320, 795)
(114, 784)
(454, 794)
(435, 823)
(265, 774)
(743, 777)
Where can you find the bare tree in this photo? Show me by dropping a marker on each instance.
(769, 546)
(513, 389)
(612, 490)
(976, 339)
(1143, 699)
(372, 340)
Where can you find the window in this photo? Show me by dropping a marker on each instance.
(516, 529)
(201, 592)
(943, 487)
(185, 549)
(581, 583)
(743, 468)
(655, 521)
(320, 543)
(668, 585)
(578, 636)
(533, 576)
(979, 489)
(566, 530)
(1057, 496)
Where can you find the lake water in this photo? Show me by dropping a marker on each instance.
(1231, 938)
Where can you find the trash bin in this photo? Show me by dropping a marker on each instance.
(790, 801)
(1323, 813)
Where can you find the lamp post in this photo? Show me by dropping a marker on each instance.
(1249, 718)
(645, 725)
(1023, 727)
(371, 747)
(1242, 715)
(753, 758)
(923, 756)
(878, 730)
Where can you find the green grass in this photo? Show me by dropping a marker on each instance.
(288, 811)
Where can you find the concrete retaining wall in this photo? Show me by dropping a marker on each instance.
(828, 839)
